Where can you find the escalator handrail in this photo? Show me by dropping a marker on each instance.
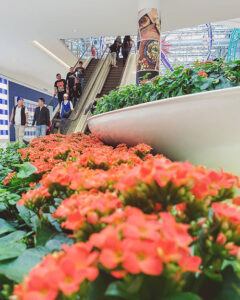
(51, 100)
(129, 54)
(100, 69)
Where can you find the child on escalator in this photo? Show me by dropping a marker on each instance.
(65, 112)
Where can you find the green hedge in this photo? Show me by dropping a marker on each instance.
(206, 76)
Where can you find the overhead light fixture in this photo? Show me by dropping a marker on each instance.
(44, 49)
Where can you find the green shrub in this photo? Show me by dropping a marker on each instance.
(206, 76)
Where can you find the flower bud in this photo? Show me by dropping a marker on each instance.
(229, 234)
(208, 243)
(225, 225)
(221, 239)
(201, 221)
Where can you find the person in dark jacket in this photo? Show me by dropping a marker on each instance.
(80, 73)
(119, 45)
(126, 47)
(77, 91)
(113, 50)
(41, 118)
(19, 118)
(70, 79)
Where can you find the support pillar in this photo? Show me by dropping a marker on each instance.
(148, 42)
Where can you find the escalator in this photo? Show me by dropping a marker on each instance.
(105, 79)
(113, 79)
(88, 73)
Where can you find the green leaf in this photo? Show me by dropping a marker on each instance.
(5, 227)
(183, 296)
(57, 241)
(230, 286)
(119, 289)
(3, 207)
(99, 286)
(26, 170)
(27, 215)
(44, 232)
(21, 266)
(12, 245)
(212, 275)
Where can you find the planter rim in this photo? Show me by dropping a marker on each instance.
(177, 99)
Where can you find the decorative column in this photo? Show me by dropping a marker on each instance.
(149, 30)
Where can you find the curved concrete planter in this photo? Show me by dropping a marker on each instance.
(203, 128)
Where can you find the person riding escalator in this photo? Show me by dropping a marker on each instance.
(65, 112)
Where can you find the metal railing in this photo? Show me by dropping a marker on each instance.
(53, 97)
(51, 100)
(133, 47)
(74, 118)
(78, 115)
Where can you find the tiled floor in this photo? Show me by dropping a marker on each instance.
(3, 143)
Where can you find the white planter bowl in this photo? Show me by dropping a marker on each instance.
(203, 128)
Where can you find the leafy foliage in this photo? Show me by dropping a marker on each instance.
(206, 76)
(9, 159)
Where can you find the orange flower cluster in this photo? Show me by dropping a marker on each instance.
(228, 216)
(9, 178)
(225, 212)
(60, 272)
(202, 73)
(128, 209)
(86, 208)
(88, 151)
(134, 243)
(144, 243)
(138, 181)
(201, 182)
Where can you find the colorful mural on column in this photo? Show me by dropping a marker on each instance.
(148, 57)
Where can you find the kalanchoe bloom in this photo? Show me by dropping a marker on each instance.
(86, 207)
(34, 198)
(221, 239)
(120, 248)
(60, 272)
(49, 151)
(136, 243)
(236, 201)
(225, 212)
(202, 73)
(228, 218)
(9, 178)
(133, 213)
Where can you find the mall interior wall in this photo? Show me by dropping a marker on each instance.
(15, 90)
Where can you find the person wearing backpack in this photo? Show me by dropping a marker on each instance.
(65, 112)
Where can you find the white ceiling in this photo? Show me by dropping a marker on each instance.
(23, 21)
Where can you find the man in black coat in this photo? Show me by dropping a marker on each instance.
(41, 118)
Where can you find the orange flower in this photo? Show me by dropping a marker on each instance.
(9, 178)
(221, 239)
(202, 73)
(63, 272)
(226, 212)
(141, 256)
(190, 263)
